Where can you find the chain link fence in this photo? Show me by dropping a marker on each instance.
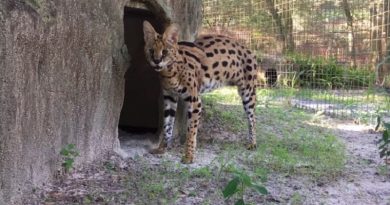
(327, 56)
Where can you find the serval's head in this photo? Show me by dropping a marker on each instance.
(160, 50)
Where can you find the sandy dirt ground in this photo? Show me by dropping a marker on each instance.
(361, 182)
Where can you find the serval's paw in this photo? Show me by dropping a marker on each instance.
(158, 150)
(187, 159)
(251, 146)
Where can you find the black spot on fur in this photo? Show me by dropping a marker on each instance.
(239, 53)
(169, 112)
(183, 90)
(191, 55)
(205, 68)
(232, 52)
(210, 44)
(216, 72)
(170, 98)
(215, 64)
(188, 99)
(247, 101)
(224, 63)
(195, 111)
(249, 68)
(191, 66)
(207, 75)
(218, 40)
(189, 44)
(249, 61)
(223, 51)
(216, 51)
(210, 55)
(233, 63)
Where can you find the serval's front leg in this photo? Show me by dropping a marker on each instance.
(194, 111)
(170, 106)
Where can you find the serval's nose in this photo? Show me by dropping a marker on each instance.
(156, 61)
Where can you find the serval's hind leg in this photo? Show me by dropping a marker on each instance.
(248, 96)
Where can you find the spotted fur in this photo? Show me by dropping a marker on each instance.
(188, 69)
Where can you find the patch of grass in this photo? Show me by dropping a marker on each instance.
(301, 152)
(288, 144)
(296, 199)
(287, 140)
(203, 172)
(383, 170)
(157, 185)
(224, 106)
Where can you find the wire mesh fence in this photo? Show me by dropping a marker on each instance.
(329, 56)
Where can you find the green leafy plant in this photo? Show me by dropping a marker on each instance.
(384, 144)
(320, 72)
(69, 153)
(239, 184)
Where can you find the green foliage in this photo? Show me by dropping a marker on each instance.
(203, 172)
(296, 199)
(318, 72)
(239, 184)
(384, 143)
(68, 153)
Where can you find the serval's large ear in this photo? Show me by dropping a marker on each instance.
(149, 32)
(171, 34)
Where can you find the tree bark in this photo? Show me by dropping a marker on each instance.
(284, 30)
(350, 22)
(376, 42)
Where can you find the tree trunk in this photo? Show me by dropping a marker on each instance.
(62, 67)
(350, 21)
(376, 44)
(385, 74)
(284, 29)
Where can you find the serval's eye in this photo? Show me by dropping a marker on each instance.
(164, 52)
(151, 51)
